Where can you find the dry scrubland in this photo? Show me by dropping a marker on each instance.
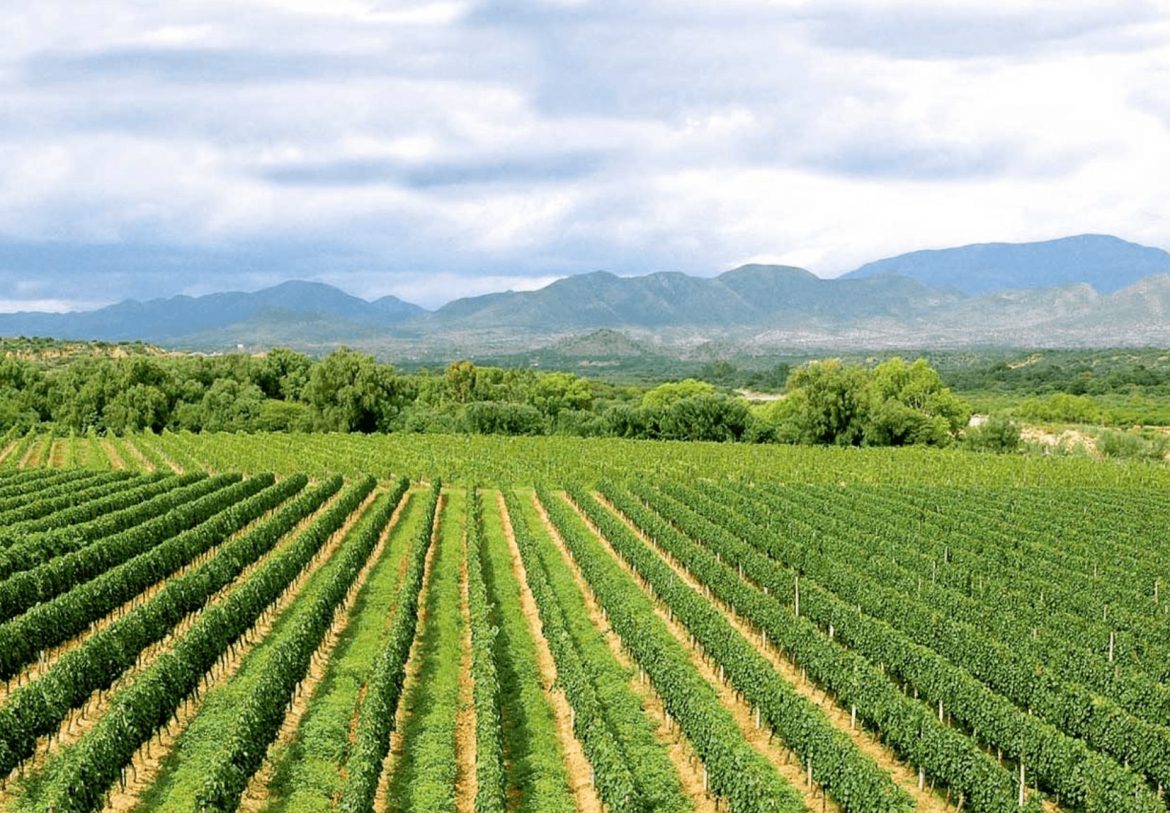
(441, 623)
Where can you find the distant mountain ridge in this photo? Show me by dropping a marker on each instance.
(749, 295)
(176, 318)
(1105, 263)
(1056, 293)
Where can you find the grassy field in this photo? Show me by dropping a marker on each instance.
(653, 627)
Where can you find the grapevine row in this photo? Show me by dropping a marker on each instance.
(615, 783)
(133, 494)
(376, 716)
(65, 496)
(848, 775)
(734, 770)
(68, 614)
(39, 707)
(490, 794)
(38, 548)
(27, 588)
(1007, 669)
(97, 761)
(1063, 764)
(263, 708)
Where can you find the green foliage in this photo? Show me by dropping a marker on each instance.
(283, 416)
(997, 434)
(1134, 445)
(502, 418)
(1061, 408)
(665, 395)
(350, 392)
(705, 416)
(229, 406)
(895, 404)
(828, 403)
(555, 392)
(138, 407)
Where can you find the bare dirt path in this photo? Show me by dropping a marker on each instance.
(140, 459)
(580, 772)
(8, 450)
(32, 455)
(170, 461)
(786, 763)
(466, 782)
(56, 458)
(116, 461)
(903, 775)
(256, 795)
(148, 761)
(413, 665)
(678, 747)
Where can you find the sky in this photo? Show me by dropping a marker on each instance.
(440, 149)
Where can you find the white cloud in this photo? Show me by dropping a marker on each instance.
(437, 149)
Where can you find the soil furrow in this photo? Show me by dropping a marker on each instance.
(148, 761)
(678, 747)
(786, 763)
(579, 770)
(413, 665)
(904, 775)
(116, 461)
(141, 459)
(466, 785)
(255, 796)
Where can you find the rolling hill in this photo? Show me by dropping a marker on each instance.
(1105, 263)
(1078, 291)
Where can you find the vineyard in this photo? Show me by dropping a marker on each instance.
(490, 625)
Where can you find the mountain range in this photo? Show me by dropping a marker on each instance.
(1089, 290)
(1106, 263)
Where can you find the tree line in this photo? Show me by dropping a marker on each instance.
(826, 402)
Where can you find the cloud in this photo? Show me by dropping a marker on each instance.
(536, 169)
(437, 149)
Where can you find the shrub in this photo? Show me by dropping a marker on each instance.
(998, 434)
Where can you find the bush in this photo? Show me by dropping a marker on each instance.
(704, 417)
(1133, 445)
(998, 434)
(1062, 408)
(502, 418)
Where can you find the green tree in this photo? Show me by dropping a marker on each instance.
(229, 406)
(704, 417)
(461, 378)
(828, 403)
(284, 416)
(553, 392)
(997, 434)
(350, 392)
(910, 405)
(664, 395)
(138, 407)
(283, 374)
(502, 418)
